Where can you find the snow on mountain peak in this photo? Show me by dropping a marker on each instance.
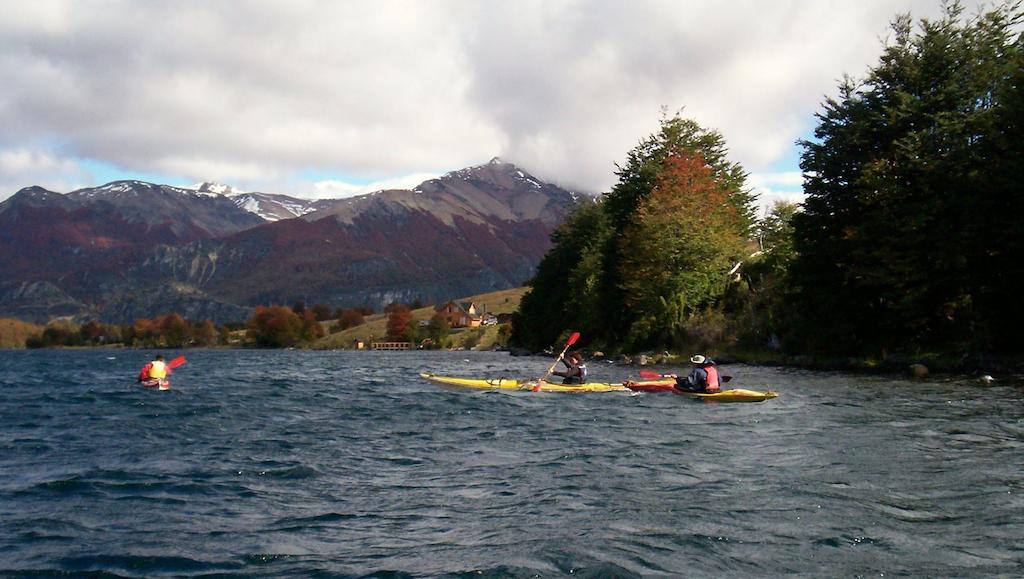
(218, 188)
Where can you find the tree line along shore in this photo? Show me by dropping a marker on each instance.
(278, 326)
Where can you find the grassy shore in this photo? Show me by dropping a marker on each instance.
(482, 338)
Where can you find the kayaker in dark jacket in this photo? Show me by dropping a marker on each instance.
(702, 378)
(575, 369)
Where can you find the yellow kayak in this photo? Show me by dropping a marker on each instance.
(514, 384)
(734, 395)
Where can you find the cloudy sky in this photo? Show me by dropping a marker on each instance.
(336, 97)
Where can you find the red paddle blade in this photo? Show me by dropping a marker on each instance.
(572, 338)
(176, 362)
(650, 375)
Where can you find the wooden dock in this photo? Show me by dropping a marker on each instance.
(391, 346)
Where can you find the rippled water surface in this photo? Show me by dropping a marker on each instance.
(293, 463)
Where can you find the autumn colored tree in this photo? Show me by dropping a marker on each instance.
(143, 332)
(95, 332)
(321, 312)
(175, 332)
(637, 179)
(584, 281)
(311, 328)
(205, 333)
(677, 251)
(16, 333)
(349, 318)
(399, 318)
(275, 327)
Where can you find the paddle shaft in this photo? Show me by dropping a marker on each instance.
(572, 340)
(552, 368)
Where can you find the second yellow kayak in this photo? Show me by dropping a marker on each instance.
(514, 384)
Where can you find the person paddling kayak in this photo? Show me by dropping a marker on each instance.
(702, 378)
(575, 369)
(154, 374)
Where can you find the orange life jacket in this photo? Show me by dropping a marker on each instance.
(713, 382)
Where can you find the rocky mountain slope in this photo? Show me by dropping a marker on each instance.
(130, 249)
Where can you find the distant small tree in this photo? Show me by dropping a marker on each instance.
(311, 328)
(144, 332)
(321, 312)
(399, 318)
(414, 333)
(439, 329)
(504, 333)
(349, 318)
(56, 335)
(205, 333)
(95, 332)
(299, 307)
(275, 327)
(175, 331)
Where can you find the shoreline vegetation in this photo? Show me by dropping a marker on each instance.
(905, 257)
(494, 337)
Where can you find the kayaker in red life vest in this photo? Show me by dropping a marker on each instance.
(703, 377)
(575, 369)
(154, 374)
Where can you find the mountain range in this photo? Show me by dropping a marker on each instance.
(131, 249)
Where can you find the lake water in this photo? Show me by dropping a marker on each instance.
(295, 463)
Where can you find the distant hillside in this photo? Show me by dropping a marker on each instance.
(500, 302)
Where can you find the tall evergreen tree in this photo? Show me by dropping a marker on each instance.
(886, 255)
(563, 293)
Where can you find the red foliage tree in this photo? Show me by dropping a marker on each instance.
(311, 328)
(322, 312)
(399, 318)
(350, 318)
(275, 327)
(176, 332)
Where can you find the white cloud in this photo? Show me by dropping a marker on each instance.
(788, 179)
(785, 186)
(257, 93)
(20, 168)
(334, 189)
